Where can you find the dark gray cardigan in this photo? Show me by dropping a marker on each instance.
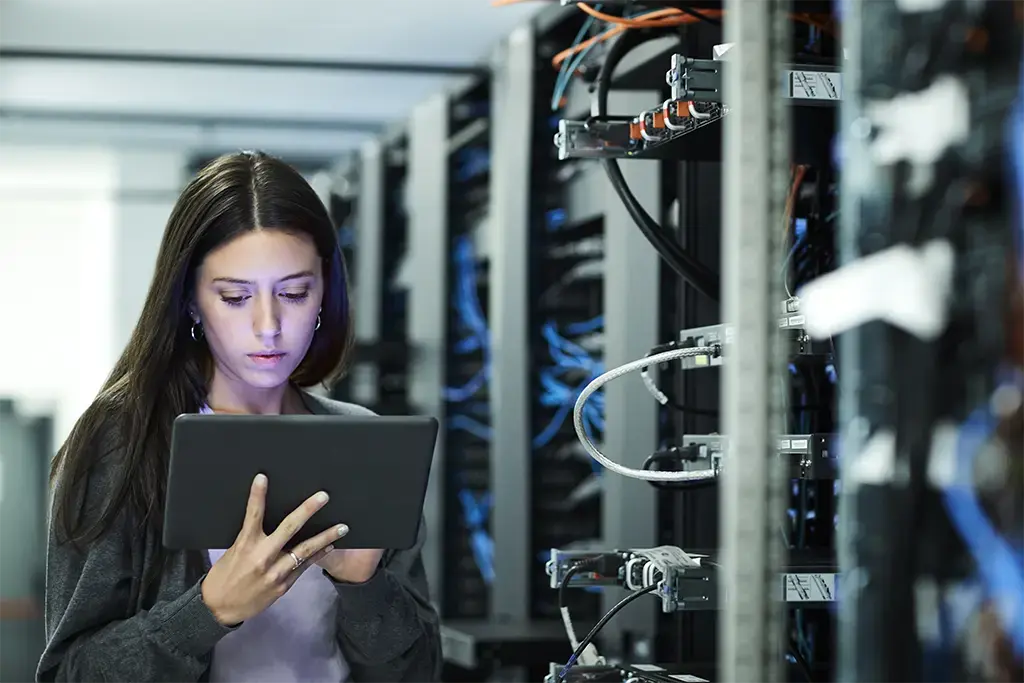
(100, 627)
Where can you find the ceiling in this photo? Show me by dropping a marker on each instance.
(323, 73)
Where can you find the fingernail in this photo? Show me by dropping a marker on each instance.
(342, 529)
(322, 497)
(328, 549)
(261, 479)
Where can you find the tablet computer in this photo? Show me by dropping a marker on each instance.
(374, 468)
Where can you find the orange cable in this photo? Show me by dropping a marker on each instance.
(662, 18)
(798, 178)
(656, 19)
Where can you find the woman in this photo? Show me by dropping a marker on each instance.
(247, 305)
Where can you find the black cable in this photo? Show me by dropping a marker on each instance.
(801, 664)
(569, 573)
(700, 15)
(674, 455)
(699, 276)
(597, 629)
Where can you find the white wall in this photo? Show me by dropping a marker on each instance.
(79, 229)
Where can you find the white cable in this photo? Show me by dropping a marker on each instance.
(590, 656)
(570, 632)
(630, 566)
(615, 373)
(652, 387)
(699, 115)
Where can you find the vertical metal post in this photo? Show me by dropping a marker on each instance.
(631, 287)
(862, 650)
(370, 258)
(428, 300)
(509, 313)
(756, 153)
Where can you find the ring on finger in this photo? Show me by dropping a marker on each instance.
(296, 560)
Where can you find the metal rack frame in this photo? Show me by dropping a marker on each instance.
(509, 308)
(756, 156)
(369, 278)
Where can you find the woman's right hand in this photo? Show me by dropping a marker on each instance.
(255, 571)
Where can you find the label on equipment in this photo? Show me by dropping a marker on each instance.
(809, 587)
(800, 444)
(814, 85)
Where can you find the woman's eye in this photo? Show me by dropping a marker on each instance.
(295, 296)
(233, 300)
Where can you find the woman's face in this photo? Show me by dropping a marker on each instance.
(257, 299)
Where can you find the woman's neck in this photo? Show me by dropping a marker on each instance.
(282, 400)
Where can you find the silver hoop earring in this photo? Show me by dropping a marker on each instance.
(317, 323)
(195, 337)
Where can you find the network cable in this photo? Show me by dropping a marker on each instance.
(556, 391)
(582, 432)
(569, 66)
(476, 511)
(1000, 566)
(471, 319)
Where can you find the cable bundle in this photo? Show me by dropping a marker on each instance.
(569, 340)
(560, 391)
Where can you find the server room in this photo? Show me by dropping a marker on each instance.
(524, 341)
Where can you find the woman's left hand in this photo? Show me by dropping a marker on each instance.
(351, 566)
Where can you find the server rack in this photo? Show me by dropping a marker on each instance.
(379, 377)
(596, 300)
(469, 570)
(393, 356)
(343, 205)
(691, 173)
(567, 252)
(512, 643)
(688, 516)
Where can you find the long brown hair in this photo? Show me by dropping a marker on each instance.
(162, 372)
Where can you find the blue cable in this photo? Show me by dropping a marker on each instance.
(569, 66)
(1016, 153)
(1000, 567)
(569, 356)
(554, 219)
(476, 511)
(467, 304)
(585, 327)
(472, 162)
(464, 423)
(471, 318)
